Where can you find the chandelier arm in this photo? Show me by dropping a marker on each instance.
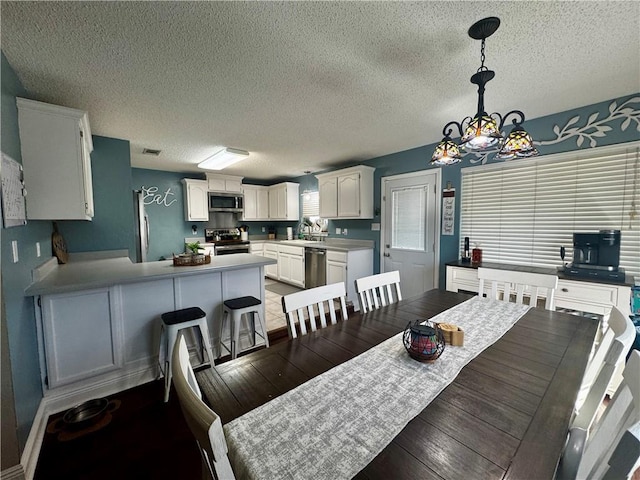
(519, 115)
(446, 131)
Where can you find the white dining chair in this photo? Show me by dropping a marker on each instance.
(589, 454)
(378, 290)
(511, 282)
(205, 425)
(620, 328)
(295, 304)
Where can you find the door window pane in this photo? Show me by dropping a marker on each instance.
(408, 225)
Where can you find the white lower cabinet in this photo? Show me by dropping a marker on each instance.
(81, 335)
(271, 251)
(583, 296)
(290, 266)
(347, 267)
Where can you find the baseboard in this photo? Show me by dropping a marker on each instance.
(13, 473)
(31, 452)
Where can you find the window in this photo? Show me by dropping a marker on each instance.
(408, 224)
(311, 205)
(522, 212)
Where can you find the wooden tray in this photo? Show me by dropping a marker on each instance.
(190, 260)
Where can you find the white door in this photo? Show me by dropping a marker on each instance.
(409, 230)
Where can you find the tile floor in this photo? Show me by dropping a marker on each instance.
(273, 307)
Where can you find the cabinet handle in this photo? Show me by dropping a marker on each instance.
(565, 290)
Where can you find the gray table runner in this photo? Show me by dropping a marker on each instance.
(335, 424)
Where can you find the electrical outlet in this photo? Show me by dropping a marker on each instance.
(375, 227)
(338, 231)
(14, 250)
(344, 231)
(37, 249)
(264, 229)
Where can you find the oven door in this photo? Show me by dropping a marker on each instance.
(229, 249)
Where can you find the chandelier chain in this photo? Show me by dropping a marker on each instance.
(482, 57)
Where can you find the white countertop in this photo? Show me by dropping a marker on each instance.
(84, 275)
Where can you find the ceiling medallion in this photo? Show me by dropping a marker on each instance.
(482, 133)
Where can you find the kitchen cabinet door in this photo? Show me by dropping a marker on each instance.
(196, 200)
(296, 272)
(256, 202)
(81, 335)
(224, 183)
(56, 145)
(349, 195)
(328, 192)
(284, 201)
(271, 271)
(336, 272)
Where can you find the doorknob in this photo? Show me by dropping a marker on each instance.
(387, 245)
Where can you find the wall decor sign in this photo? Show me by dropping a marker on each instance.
(448, 211)
(13, 193)
(151, 196)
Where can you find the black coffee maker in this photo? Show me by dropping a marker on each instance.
(596, 255)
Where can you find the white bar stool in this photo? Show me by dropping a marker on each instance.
(234, 309)
(172, 323)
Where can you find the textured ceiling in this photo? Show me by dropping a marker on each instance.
(307, 85)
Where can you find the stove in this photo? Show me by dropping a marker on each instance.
(226, 242)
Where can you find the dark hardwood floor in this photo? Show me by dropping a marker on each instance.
(145, 439)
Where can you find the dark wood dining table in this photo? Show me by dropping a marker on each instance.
(506, 414)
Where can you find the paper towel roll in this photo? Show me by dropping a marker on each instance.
(289, 233)
(244, 236)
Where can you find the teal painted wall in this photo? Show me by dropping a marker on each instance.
(19, 311)
(112, 224)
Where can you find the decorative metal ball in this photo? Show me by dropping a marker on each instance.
(423, 341)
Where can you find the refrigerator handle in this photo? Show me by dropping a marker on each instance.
(146, 229)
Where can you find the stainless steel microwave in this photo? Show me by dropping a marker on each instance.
(226, 202)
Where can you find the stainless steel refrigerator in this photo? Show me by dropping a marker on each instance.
(141, 226)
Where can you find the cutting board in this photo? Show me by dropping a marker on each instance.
(58, 245)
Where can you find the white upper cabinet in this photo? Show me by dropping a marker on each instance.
(196, 200)
(256, 202)
(56, 145)
(284, 201)
(224, 183)
(346, 193)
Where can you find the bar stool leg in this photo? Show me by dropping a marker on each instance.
(206, 339)
(172, 334)
(264, 329)
(235, 332)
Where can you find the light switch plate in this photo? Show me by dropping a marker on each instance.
(375, 227)
(14, 250)
(338, 231)
(344, 231)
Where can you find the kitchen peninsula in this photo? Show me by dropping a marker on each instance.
(98, 320)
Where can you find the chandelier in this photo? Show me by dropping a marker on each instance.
(482, 133)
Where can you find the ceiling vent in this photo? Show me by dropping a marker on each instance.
(151, 151)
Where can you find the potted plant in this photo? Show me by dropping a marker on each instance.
(194, 247)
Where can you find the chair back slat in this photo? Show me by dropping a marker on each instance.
(313, 299)
(614, 346)
(590, 448)
(378, 290)
(517, 283)
(203, 422)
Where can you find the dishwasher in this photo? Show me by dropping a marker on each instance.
(315, 267)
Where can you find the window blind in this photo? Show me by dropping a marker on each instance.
(311, 204)
(523, 212)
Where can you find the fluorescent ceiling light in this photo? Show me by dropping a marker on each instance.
(223, 158)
